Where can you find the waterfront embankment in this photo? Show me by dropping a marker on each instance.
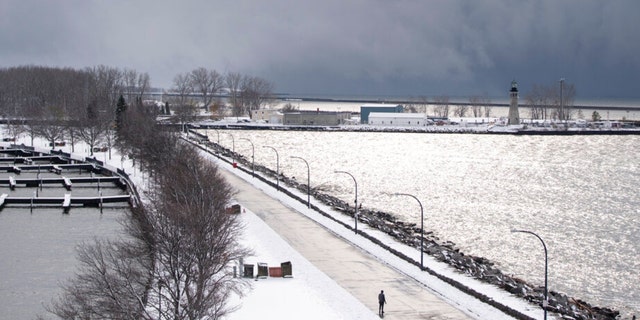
(408, 234)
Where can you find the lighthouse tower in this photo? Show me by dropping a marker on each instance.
(514, 116)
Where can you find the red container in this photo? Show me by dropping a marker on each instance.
(275, 272)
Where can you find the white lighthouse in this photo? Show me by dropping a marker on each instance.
(514, 115)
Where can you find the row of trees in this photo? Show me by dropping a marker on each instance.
(478, 106)
(551, 101)
(78, 105)
(175, 260)
(544, 102)
(45, 92)
(57, 104)
(243, 93)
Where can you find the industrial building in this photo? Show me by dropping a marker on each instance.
(367, 109)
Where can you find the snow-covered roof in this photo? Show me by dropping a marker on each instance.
(397, 115)
(380, 105)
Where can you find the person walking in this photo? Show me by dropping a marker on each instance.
(381, 302)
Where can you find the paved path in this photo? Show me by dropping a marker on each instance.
(359, 273)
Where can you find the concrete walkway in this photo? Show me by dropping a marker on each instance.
(359, 273)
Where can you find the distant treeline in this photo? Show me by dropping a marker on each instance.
(33, 91)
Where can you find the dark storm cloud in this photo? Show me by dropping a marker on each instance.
(350, 47)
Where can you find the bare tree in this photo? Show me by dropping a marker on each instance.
(195, 240)
(144, 83)
(538, 102)
(476, 106)
(176, 260)
(52, 126)
(112, 283)
(135, 84)
(129, 81)
(92, 127)
(14, 128)
(288, 107)
(480, 106)
(422, 104)
(410, 108)
(486, 102)
(207, 83)
(256, 92)
(442, 106)
(461, 110)
(233, 82)
(183, 90)
(184, 108)
(541, 99)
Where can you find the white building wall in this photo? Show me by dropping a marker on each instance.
(398, 119)
(266, 115)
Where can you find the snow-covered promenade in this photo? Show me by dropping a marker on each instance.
(363, 268)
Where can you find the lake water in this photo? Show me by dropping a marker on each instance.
(38, 248)
(579, 193)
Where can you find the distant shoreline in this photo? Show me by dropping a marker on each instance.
(406, 102)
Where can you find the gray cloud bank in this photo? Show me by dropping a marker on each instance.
(352, 47)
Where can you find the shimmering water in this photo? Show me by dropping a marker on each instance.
(579, 193)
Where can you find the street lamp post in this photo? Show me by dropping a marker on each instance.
(356, 202)
(233, 150)
(253, 158)
(308, 181)
(421, 227)
(546, 270)
(561, 102)
(218, 147)
(277, 166)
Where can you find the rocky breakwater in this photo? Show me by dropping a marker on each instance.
(476, 267)
(410, 234)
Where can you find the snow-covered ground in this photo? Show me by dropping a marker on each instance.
(309, 294)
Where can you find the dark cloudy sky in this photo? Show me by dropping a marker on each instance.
(352, 47)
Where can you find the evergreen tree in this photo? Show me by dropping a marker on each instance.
(121, 108)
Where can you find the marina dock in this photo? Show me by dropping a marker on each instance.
(65, 201)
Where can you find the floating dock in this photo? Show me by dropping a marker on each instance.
(12, 182)
(65, 201)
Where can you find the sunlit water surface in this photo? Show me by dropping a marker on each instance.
(579, 193)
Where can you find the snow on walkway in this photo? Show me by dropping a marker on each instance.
(309, 294)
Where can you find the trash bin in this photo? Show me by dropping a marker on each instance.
(248, 271)
(275, 272)
(287, 269)
(263, 270)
